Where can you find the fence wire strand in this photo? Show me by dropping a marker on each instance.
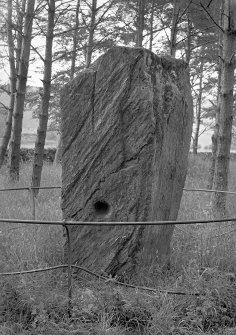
(106, 279)
(118, 223)
(207, 191)
(66, 224)
(29, 187)
(59, 187)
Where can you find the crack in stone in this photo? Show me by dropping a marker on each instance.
(79, 129)
(121, 167)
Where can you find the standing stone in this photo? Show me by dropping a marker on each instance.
(126, 130)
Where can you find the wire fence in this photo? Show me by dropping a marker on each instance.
(66, 224)
(31, 189)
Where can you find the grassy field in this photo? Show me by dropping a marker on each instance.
(37, 303)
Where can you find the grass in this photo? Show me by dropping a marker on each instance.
(25, 246)
(212, 244)
(202, 257)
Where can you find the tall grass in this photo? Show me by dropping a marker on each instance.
(210, 245)
(30, 245)
(37, 303)
(25, 247)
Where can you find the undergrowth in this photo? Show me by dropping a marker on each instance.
(203, 261)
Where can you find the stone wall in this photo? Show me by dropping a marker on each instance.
(208, 155)
(27, 154)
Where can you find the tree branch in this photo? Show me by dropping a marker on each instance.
(207, 127)
(163, 23)
(212, 102)
(60, 14)
(98, 8)
(210, 16)
(36, 51)
(67, 31)
(184, 11)
(209, 3)
(4, 106)
(5, 90)
(104, 13)
(63, 3)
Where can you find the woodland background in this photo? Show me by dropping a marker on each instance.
(48, 42)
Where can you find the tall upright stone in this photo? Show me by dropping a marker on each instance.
(126, 130)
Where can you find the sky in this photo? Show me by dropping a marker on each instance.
(34, 75)
(205, 140)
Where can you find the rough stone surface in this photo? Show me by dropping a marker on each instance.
(126, 129)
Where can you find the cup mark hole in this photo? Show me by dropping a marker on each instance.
(101, 208)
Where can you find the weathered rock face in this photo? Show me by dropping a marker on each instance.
(126, 129)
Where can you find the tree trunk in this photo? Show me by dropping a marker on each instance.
(189, 40)
(75, 41)
(15, 142)
(174, 28)
(58, 155)
(140, 22)
(226, 109)
(19, 39)
(198, 110)
(57, 159)
(126, 138)
(7, 132)
(151, 24)
(196, 132)
(43, 115)
(215, 134)
(92, 26)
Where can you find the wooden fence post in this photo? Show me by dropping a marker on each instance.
(31, 191)
(69, 270)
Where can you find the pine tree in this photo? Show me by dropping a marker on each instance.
(14, 52)
(15, 142)
(43, 115)
(226, 107)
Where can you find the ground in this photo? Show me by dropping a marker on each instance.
(203, 261)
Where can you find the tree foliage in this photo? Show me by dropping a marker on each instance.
(192, 27)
